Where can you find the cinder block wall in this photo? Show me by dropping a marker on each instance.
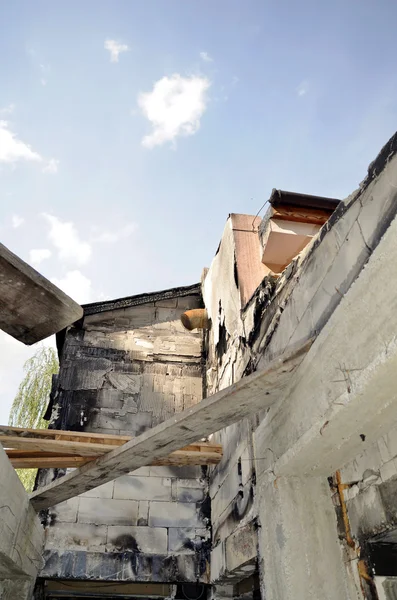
(123, 371)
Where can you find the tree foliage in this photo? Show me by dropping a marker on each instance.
(31, 400)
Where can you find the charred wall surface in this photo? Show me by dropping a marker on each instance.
(283, 312)
(124, 369)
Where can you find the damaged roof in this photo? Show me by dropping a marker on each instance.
(177, 292)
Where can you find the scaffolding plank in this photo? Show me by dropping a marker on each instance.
(48, 460)
(249, 395)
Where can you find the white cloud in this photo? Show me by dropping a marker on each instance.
(76, 285)
(206, 57)
(51, 166)
(115, 49)
(17, 221)
(7, 110)
(43, 81)
(302, 88)
(37, 256)
(65, 238)
(174, 107)
(115, 236)
(12, 149)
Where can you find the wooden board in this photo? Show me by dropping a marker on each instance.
(249, 395)
(48, 460)
(59, 434)
(59, 446)
(31, 307)
(314, 216)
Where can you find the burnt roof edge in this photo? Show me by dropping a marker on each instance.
(126, 302)
(282, 197)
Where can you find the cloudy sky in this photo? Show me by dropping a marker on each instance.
(129, 130)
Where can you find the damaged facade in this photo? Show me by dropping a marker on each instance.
(126, 367)
(303, 504)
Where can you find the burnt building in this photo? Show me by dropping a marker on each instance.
(284, 357)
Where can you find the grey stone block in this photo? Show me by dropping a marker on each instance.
(241, 547)
(142, 488)
(143, 513)
(66, 511)
(180, 472)
(189, 490)
(103, 511)
(76, 536)
(149, 540)
(174, 514)
(186, 540)
(102, 491)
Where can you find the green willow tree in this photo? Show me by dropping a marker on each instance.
(31, 400)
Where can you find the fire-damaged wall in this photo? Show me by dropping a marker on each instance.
(249, 330)
(127, 366)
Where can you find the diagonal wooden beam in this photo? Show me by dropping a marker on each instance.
(249, 395)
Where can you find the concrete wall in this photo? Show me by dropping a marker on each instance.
(21, 536)
(295, 445)
(123, 371)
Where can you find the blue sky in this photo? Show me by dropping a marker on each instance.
(129, 130)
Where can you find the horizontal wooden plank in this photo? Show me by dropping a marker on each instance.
(62, 434)
(91, 444)
(249, 395)
(31, 307)
(40, 460)
(298, 214)
(59, 446)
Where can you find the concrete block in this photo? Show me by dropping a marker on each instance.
(226, 493)
(76, 536)
(366, 512)
(187, 493)
(142, 472)
(103, 491)
(174, 514)
(126, 382)
(142, 488)
(149, 540)
(179, 472)
(66, 511)
(241, 547)
(218, 562)
(185, 540)
(143, 513)
(103, 511)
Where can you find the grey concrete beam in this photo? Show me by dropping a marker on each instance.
(31, 307)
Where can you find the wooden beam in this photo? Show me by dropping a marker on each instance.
(48, 460)
(59, 434)
(314, 216)
(71, 448)
(253, 393)
(59, 446)
(31, 307)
